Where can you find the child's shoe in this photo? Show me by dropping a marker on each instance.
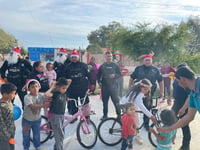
(138, 139)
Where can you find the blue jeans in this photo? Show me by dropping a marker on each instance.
(26, 129)
(127, 142)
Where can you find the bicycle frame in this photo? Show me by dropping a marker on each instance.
(68, 118)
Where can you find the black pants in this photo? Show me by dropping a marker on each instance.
(75, 94)
(186, 129)
(108, 92)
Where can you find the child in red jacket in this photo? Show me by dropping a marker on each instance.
(128, 126)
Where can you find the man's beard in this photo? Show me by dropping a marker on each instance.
(60, 59)
(12, 59)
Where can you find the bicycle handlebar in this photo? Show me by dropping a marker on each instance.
(82, 100)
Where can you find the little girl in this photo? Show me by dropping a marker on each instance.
(165, 140)
(50, 73)
(136, 94)
(128, 126)
(33, 101)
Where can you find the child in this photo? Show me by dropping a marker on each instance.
(128, 126)
(50, 73)
(165, 140)
(7, 126)
(33, 101)
(141, 90)
(57, 110)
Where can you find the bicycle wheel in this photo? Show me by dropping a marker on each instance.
(86, 134)
(45, 130)
(151, 136)
(110, 132)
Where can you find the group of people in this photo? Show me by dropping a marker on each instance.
(73, 79)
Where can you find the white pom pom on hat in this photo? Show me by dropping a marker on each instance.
(31, 80)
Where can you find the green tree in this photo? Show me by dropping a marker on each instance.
(94, 48)
(105, 35)
(7, 41)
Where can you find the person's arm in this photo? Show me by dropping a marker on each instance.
(184, 107)
(161, 86)
(5, 132)
(140, 104)
(159, 137)
(99, 76)
(182, 122)
(4, 67)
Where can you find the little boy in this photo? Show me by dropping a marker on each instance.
(7, 129)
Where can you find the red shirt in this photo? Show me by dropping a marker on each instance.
(127, 122)
(167, 71)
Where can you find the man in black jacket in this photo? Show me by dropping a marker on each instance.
(16, 71)
(107, 76)
(78, 72)
(61, 61)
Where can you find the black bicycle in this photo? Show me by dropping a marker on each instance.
(110, 132)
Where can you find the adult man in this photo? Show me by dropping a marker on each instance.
(16, 71)
(186, 79)
(148, 71)
(180, 107)
(78, 72)
(107, 76)
(61, 61)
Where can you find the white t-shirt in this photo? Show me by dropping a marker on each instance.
(30, 114)
(139, 102)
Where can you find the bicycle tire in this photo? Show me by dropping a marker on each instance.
(83, 136)
(44, 135)
(151, 136)
(107, 134)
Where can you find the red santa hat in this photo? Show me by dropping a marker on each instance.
(62, 51)
(16, 50)
(32, 80)
(74, 53)
(147, 56)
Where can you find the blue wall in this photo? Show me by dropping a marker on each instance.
(35, 53)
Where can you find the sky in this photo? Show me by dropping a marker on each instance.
(67, 23)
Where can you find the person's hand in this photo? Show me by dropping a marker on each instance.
(112, 76)
(153, 119)
(151, 130)
(163, 129)
(92, 87)
(46, 105)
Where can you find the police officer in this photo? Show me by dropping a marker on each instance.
(148, 71)
(108, 75)
(78, 72)
(16, 71)
(61, 60)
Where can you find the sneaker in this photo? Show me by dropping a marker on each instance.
(184, 148)
(103, 118)
(162, 101)
(138, 139)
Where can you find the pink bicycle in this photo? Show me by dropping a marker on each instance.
(86, 131)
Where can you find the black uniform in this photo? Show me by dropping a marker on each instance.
(180, 96)
(151, 73)
(41, 78)
(59, 68)
(17, 74)
(109, 85)
(78, 73)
